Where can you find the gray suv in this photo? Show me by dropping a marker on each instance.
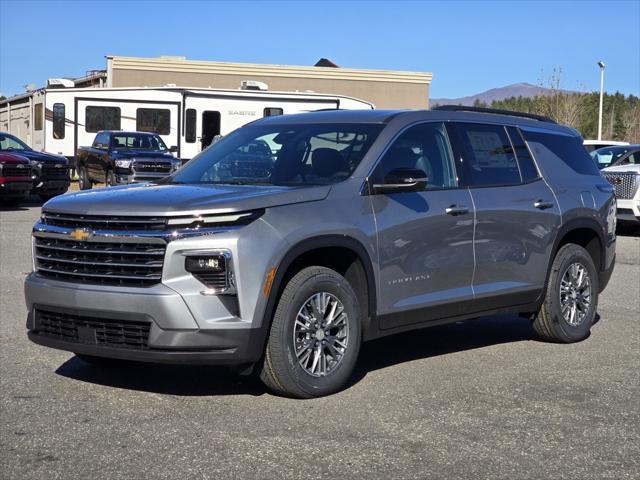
(344, 226)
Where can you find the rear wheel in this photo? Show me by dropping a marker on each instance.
(83, 178)
(110, 180)
(315, 335)
(571, 300)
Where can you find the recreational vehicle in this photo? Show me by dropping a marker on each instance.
(59, 120)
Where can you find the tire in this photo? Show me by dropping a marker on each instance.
(110, 179)
(550, 323)
(84, 183)
(103, 362)
(281, 371)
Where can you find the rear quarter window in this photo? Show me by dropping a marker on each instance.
(561, 148)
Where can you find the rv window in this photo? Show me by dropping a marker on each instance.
(190, 126)
(271, 112)
(37, 117)
(102, 118)
(58, 121)
(154, 120)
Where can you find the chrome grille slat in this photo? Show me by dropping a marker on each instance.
(113, 264)
(156, 252)
(84, 274)
(625, 184)
(96, 222)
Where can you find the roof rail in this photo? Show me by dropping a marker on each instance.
(496, 111)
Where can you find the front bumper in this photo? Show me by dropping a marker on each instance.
(11, 188)
(628, 210)
(174, 335)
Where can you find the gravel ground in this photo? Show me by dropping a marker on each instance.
(479, 399)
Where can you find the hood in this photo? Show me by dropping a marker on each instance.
(44, 157)
(161, 200)
(629, 168)
(142, 154)
(12, 159)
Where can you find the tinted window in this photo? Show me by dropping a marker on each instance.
(488, 156)
(37, 116)
(307, 154)
(102, 118)
(9, 143)
(527, 166)
(270, 111)
(190, 126)
(58, 121)
(154, 120)
(423, 147)
(137, 141)
(561, 148)
(607, 156)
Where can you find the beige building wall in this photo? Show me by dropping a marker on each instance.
(384, 88)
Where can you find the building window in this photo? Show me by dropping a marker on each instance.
(102, 118)
(58, 121)
(154, 120)
(37, 114)
(190, 126)
(271, 111)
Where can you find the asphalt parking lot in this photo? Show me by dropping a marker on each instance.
(480, 399)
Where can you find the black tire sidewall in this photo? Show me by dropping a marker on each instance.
(563, 260)
(337, 286)
(110, 179)
(83, 178)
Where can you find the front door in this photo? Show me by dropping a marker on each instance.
(210, 127)
(425, 239)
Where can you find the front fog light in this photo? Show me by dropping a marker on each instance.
(210, 270)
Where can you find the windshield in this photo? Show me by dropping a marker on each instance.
(137, 141)
(9, 143)
(306, 154)
(607, 156)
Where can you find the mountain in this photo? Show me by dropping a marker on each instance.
(515, 90)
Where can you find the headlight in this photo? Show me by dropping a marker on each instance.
(176, 164)
(35, 163)
(123, 163)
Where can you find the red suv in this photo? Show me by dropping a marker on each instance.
(15, 178)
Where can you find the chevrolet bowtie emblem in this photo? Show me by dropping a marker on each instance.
(81, 235)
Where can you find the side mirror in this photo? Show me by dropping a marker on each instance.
(173, 149)
(402, 180)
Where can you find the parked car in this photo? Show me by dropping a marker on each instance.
(591, 145)
(117, 158)
(613, 156)
(50, 172)
(15, 178)
(366, 223)
(624, 175)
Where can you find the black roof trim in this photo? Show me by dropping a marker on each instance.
(496, 111)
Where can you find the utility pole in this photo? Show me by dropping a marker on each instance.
(601, 65)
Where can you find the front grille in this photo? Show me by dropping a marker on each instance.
(15, 171)
(119, 264)
(625, 184)
(51, 172)
(112, 333)
(95, 222)
(151, 167)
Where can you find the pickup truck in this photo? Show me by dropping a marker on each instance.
(118, 158)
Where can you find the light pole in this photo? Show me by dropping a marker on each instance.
(601, 65)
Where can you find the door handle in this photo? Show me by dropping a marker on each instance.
(542, 205)
(456, 210)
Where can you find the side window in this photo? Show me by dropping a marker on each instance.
(558, 148)
(489, 158)
(271, 111)
(528, 168)
(58, 121)
(424, 147)
(190, 125)
(154, 120)
(633, 159)
(101, 118)
(37, 116)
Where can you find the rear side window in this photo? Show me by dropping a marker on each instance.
(488, 156)
(190, 126)
(527, 166)
(154, 120)
(102, 118)
(58, 121)
(561, 148)
(272, 111)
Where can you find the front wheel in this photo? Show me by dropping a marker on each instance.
(315, 335)
(83, 178)
(110, 180)
(569, 307)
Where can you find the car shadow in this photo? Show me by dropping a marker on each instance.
(21, 205)
(628, 230)
(375, 355)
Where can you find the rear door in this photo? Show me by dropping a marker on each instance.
(425, 239)
(516, 215)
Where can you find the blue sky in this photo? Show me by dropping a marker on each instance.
(469, 46)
